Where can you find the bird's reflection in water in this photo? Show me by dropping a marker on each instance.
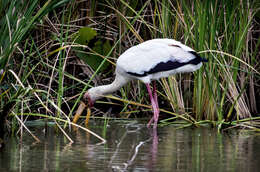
(135, 151)
(154, 148)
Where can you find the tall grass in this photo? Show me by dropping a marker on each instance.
(42, 74)
(225, 27)
(222, 31)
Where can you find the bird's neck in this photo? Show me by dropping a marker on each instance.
(115, 85)
(100, 91)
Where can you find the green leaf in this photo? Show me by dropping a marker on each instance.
(94, 60)
(85, 34)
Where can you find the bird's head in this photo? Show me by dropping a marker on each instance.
(87, 99)
(92, 95)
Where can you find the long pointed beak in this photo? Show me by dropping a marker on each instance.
(79, 111)
(86, 103)
(87, 116)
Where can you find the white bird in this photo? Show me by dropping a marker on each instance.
(149, 61)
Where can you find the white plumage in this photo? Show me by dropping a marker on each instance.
(149, 61)
(153, 52)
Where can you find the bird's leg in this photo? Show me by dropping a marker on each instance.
(155, 96)
(154, 106)
(156, 101)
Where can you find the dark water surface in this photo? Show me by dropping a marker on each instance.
(133, 147)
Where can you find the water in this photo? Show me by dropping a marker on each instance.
(132, 147)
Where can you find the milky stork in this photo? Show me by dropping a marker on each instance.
(149, 61)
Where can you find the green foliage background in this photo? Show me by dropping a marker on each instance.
(52, 51)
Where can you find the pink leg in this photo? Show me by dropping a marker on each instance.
(156, 101)
(154, 106)
(155, 96)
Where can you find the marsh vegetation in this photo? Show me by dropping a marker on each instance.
(51, 52)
